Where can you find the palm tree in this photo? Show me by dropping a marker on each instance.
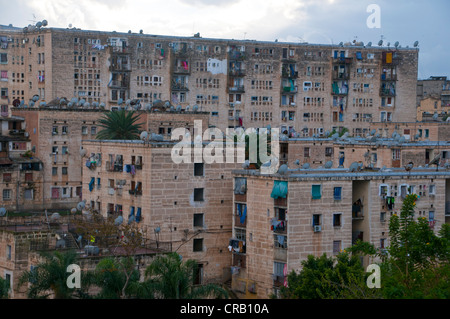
(119, 125)
(50, 276)
(168, 277)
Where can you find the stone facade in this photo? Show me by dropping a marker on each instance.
(299, 87)
(186, 207)
(316, 218)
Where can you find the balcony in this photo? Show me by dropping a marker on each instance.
(388, 92)
(289, 90)
(388, 77)
(135, 192)
(236, 72)
(341, 75)
(289, 74)
(236, 89)
(237, 222)
(343, 60)
(278, 280)
(179, 87)
(239, 260)
(118, 84)
(279, 226)
(447, 208)
(357, 212)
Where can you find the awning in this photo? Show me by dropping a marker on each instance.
(316, 193)
(280, 189)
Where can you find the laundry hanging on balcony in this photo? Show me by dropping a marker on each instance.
(131, 217)
(281, 239)
(138, 215)
(91, 184)
(242, 213)
(279, 190)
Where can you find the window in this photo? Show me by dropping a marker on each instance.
(64, 170)
(431, 216)
(432, 190)
(337, 193)
(317, 220)
(8, 252)
(7, 177)
(84, 130)
(336, 247)
(199, 169)
(198, 244)
(396, 154)
(306, 152)
(54, 171)
(65, 150)
(93, 130)
(4, 93)
(54, 149)
(3, 58)
(382, 217)
(382, 243)
(316, 191)
(337, 220)
(65, 130)
(28, 194)
(384, 190)
(198, 195)
(54, 130)
(6, 194)
(328, 151)
(28, 177)
(198, 220)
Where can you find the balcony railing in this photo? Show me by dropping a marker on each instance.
(279, 226)
(237, 222)
(239, 260)
(236, 89)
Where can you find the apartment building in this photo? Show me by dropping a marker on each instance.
(300, 87)
(56, 134)
(21, 172)
(186, 206)
(280, 219)
(434, 87)
(371, 153)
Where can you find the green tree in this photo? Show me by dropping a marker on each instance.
(50, 276)
(119, 125)
(417, 265)
(4, 289)
(328, 278)
(113, 279)
(168, 277)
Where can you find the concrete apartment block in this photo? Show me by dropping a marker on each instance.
(298, 87)
(185, 207)
(323, 211)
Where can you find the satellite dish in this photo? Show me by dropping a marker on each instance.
(246, 164)
(39, 25)
(179, 108)
(120, 102)
(195, 108)
(396, 44)
(87, 104)
(55, 217)
(144, 135)
(128, 102)
(416, 44)
(83, 152)
(369, 44)
(157, 230)
(81, 205)
(2, 211)
(306, 166)
(354, 167)
(44, 23)
(42, 104)
(297, 162)
(380, 43)
(131, 219)
(283, 169)
(102, 105)
(35, 98)
(118, 221)
(328, 164)
(73, 210)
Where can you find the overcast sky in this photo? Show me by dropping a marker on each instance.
(313, 21)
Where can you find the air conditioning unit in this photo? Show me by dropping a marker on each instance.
(317, 228)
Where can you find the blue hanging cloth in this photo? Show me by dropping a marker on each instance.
(244, 215)
(91, 184)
